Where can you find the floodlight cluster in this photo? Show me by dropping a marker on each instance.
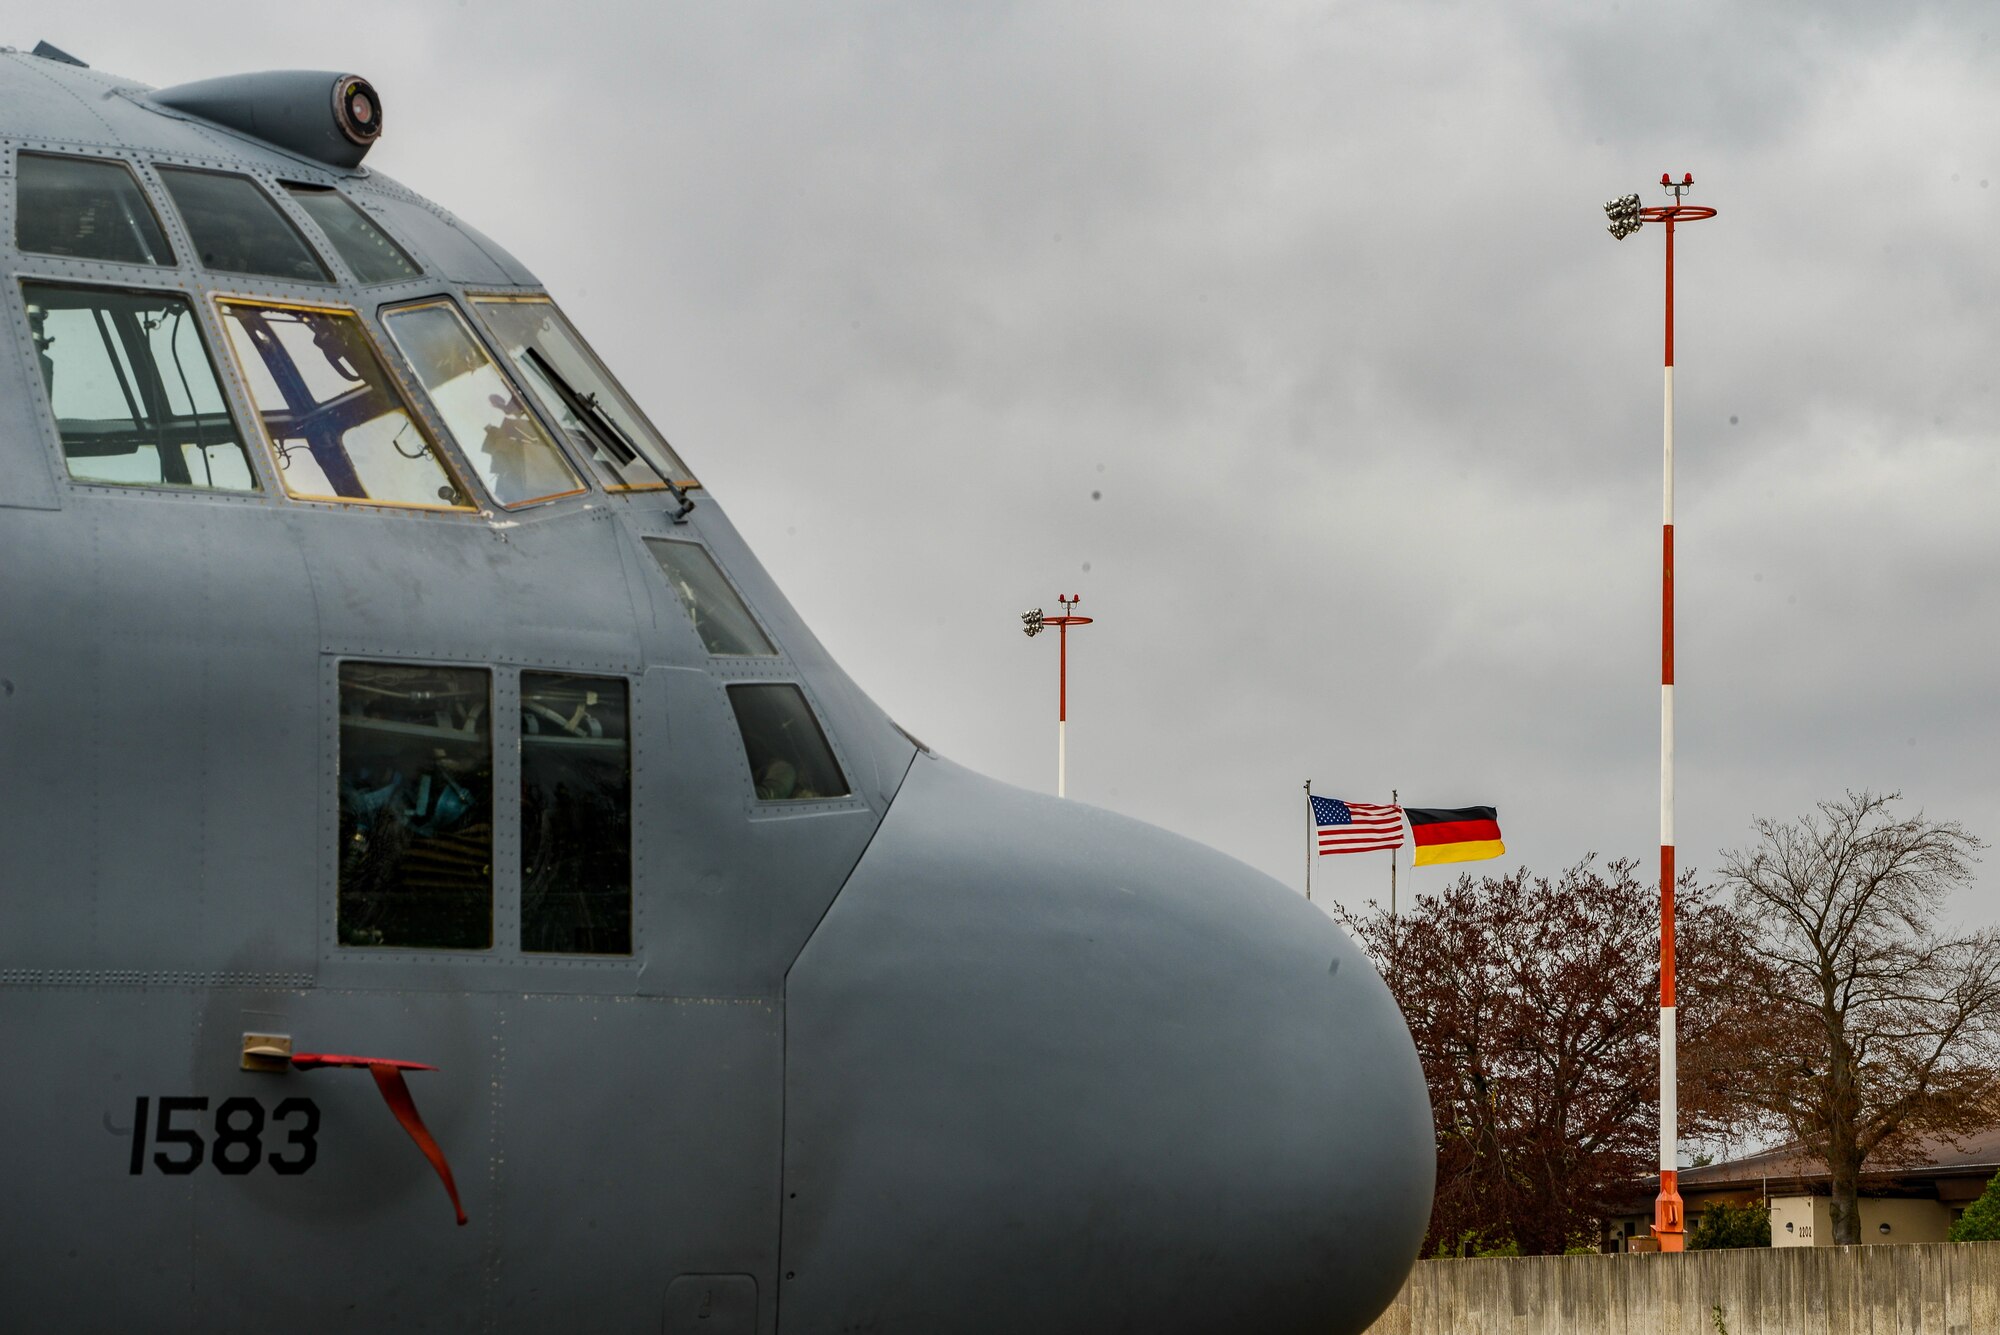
(1031, 622)
(1624, 215)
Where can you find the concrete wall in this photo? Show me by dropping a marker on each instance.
(1942, 1288)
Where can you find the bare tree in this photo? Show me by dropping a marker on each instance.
(1863, 1022)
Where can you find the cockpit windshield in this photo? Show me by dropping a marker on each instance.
(577, 392)
(339, 424)
(513, 455)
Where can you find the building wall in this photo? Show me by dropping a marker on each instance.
(1942, 1288)
(1807, 1221)
(1912, 1220)
(1801, 1221)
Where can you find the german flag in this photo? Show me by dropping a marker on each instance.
(1454, 834)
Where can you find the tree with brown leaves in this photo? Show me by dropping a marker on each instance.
(1859, 1021)
(1535, 1009)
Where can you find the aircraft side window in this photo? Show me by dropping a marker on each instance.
(580, 396)
(511, 451)
(134, 392)
(416, 807)
(790, 760)
(576, 815)
(236, 228)
(86, 209)
(369, 252)
(339, 424)
(724, 623)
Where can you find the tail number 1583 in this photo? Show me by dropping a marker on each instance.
(237, 1143)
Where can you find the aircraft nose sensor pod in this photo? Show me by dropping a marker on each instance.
(330, 118)
(445, 885)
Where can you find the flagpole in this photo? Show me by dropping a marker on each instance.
(1395, 800)
(1309, 841)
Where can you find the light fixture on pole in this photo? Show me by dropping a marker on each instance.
(1669, 1224)
(1032, 624)
(1624, 215)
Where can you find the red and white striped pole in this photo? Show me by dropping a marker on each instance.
(1035, 621)
(1669, 1221)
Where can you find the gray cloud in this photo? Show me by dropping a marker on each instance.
(1318, 301)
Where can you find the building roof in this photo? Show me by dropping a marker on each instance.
(1976, 1155)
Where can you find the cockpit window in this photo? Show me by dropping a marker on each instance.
(134, 392)
(512, 453)
(789, 758)
(372, 256)
(86, 209)
(237, 229)
(577, 392)
(724, 623)
(416, 807)
(339, 424)
(576, 815)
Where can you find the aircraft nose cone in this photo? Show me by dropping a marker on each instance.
(1050, 1069)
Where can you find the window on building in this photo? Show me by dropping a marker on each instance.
(579, 395)
(372, 256)
(237, 228)
(416, 807)
(724, 623)
(339, 424)
(509, 449)
(576, 815)
(134, 392)
(86, 209)
(790, 760)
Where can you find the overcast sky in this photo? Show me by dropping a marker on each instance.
(1291, 338)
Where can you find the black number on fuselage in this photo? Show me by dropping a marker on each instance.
(238, 1138)
(238, 1148)
(305, 1135)
(168, 1134)
(140, 1111)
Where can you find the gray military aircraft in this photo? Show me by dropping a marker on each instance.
(380, 692)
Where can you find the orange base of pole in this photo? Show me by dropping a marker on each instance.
(1668, 1221)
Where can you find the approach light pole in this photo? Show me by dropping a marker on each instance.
(1669, 1223)
(1032, 624)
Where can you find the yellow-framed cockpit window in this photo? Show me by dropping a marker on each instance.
(334, 416)
(510, 450)
(578, 394)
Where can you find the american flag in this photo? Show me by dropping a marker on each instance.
(1356, 827)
